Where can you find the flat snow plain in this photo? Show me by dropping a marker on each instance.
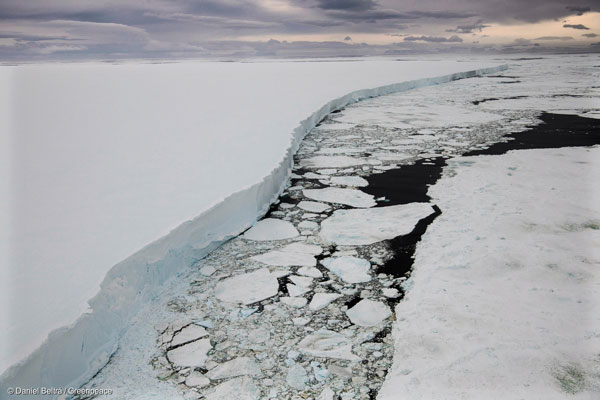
(504, 298)
(105, 159)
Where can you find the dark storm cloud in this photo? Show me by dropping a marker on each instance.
(433, 39)
(468, 28)
(441, 14)
(577, 26)
(578, 10)
(554, 38)
(347, 5)
(590, 35)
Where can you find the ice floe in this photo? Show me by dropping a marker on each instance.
(188, 334)
(350, 197)
(247, 288)
(322, 300)
(349, 269)
(240, 366)
(313, 206)
(355, 181)
(286, 258)
(329, 344)
(193, 354)
(241, 388)
(271, 229)
(368, 313)
(367, 226)
(196, 379)
(332, 162)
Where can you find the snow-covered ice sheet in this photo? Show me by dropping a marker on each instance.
(505, 293)
(116, 156)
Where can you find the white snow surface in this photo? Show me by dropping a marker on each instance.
(193, 354)
(286, 258)
(372, 225)
(505, 291)
(329, 344)
(350, 269)
(271, 229)
(313, 206)
(368, 313)
(355, 181)
(247, 288)
(350, 197)
(119, 156)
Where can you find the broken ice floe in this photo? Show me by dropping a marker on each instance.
(313, 206)
(189, 333)
(271, 229)
(350, 197)
(349, 269)
(322, 300)
(361, 227)
(355, 181)
(193, 354)
(368, 313)
(240, 366)
(329, 344)
(247, 288)
(286, 258)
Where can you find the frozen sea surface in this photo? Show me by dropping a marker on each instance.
(505, 293)
(105, 159)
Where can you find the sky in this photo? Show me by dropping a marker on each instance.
(132, 29)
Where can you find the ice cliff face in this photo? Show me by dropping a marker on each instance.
(71, 355)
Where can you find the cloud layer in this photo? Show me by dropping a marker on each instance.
(154, 28)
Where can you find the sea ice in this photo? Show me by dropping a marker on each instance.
(303, 281)
(350, 197)
(349, 269)
(296, 302)
(299, 247)
(247, 288)
(240, 366)
(297, 377)
(368, 226)
(271, 229)
(368, 313)
(332, 162)
(313, 206)
(322, 300)
(504, 301)
(188, 334)
(310, 271)
(196, 379)
(339, 150)
(328, 344)
(193, 354)
(355, 181)
(310, 225)
(295, 290)
(241, 388)
(286, 258)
